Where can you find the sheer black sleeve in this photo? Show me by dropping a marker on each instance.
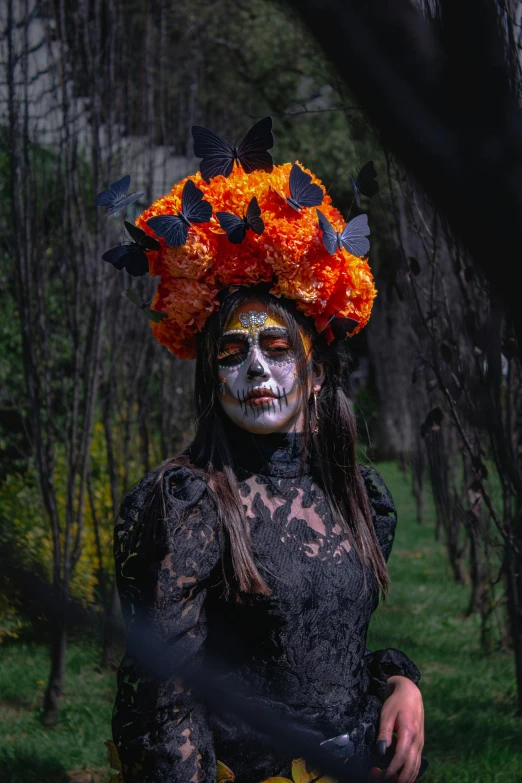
(160, 730)
(384, 515)
(382, 664)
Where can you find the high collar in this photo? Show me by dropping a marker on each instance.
(279, 454)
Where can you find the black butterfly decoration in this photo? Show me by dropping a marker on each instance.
(115, 197)
(236, 227)
(132, 256)
(352, 237)
(218, 156)
(341, 327)
(366, 182)
(194, 209)
(303, 193)
(153, 315)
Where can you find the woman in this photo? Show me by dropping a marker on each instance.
(263, 546)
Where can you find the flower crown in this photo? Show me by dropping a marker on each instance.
(239, 221)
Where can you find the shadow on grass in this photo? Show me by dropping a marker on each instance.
(21, 767)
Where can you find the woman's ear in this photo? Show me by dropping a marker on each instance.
(317, 376)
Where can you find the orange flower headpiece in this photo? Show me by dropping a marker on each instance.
(236, 228)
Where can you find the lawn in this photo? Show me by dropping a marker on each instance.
(31, 753)
(472, 734)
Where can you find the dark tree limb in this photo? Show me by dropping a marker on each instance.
(443, 101)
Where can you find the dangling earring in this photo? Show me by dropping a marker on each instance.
(315, 429)
(222, 386)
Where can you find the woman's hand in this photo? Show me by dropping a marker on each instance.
(403, 712)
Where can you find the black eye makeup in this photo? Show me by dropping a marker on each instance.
(273, 342)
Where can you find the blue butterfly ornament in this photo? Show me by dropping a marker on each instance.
(237, 227)
(132, 256)
(366, 182)
(352, 238)
(115, 197)
(303, 193)
(194, 209)
(218, 156)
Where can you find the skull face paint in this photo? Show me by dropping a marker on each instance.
(259, 388)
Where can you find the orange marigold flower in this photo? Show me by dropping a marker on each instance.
(289, 254)
(193, 260)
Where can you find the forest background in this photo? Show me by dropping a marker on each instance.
(89, 402)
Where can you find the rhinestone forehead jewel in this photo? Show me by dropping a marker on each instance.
(252, 318)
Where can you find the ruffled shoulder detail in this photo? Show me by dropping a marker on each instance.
(182, 485)
(157, 503)
(384, 514)
(136, 498)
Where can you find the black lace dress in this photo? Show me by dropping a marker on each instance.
(302, 649)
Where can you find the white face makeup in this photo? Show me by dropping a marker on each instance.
(259, 387)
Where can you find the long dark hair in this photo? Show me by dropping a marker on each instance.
(333, 448)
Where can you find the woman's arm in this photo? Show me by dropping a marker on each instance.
(403, 713)
(160, 729)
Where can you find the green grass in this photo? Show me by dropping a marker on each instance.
(472, 733)
(31, 753)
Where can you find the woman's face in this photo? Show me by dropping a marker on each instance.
(259, 388)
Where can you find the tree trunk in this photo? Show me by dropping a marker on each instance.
(57, 675)
(514, 595)
(110, 647)
(418, 476)
(477, 570)
(143, 429)
(439, 448)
